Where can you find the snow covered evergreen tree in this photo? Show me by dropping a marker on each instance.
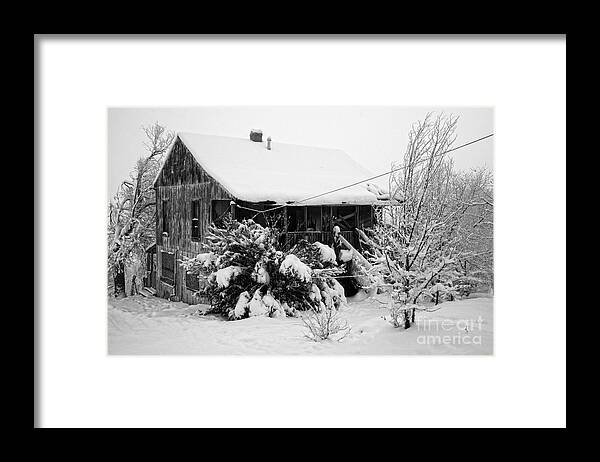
(248, 274)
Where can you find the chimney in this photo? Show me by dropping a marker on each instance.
(269, 143)
(256, 135)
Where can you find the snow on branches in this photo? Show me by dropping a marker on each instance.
(132, 211)
(225, 275)
(248, 275)
(443, 227)
(327, 253)
(292, 266)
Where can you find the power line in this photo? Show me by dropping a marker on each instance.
(388, 173)
(362, 181)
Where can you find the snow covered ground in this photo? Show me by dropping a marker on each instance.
(138, 325)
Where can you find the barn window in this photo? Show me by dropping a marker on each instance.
(244, 213)
(168, 268)
(365, 219)
(313, 218)
(196, 220)
(344, 217)
(296, 220)
(165, 217)
(271, 219)
(326, 218)
(192, 282)
(219, 209)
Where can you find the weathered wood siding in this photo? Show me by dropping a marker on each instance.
(179, 289)
(182, 168)
(181, 181)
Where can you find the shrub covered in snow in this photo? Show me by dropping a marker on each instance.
(327, 254)
(224, 276)
(248, 274)
(315, 255)
(293, 267)
(465, 285)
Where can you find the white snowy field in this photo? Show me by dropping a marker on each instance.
(138, 325)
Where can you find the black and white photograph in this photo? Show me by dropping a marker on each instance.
(300, 230)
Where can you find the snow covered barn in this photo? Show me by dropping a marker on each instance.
(204, 177)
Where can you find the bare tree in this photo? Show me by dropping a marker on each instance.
(132, 211)
(444, 220)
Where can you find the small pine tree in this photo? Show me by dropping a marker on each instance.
(248, 274)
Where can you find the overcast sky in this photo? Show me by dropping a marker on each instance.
(374, 136)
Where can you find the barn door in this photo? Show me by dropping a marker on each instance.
(150, 279)
(153, 264)
(177, 277)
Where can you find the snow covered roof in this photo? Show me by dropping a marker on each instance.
(286, 172)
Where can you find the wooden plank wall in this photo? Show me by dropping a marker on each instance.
(181, 167)
(176, 201)
(181, 181)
